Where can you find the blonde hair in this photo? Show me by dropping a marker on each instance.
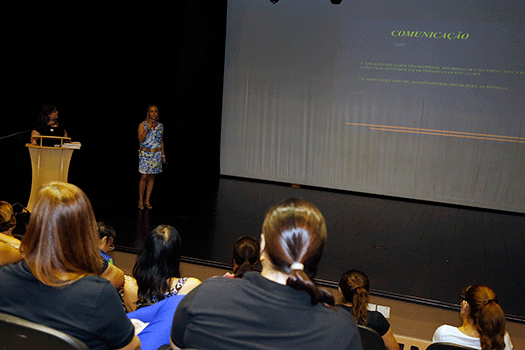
(60, 245)
(7, 217)
(149, 108)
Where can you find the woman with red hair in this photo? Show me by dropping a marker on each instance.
(483, 322)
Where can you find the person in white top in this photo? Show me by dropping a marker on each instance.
(483, 322)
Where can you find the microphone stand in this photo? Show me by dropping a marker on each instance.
(22, 132)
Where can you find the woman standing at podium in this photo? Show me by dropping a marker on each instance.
(151, 154)
(50, 126)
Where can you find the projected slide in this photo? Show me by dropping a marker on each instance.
(363, 100)
(474, 68)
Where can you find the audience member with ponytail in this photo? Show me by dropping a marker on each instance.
(280, 308)
(354, 287)
(483, 322)
(246, 251)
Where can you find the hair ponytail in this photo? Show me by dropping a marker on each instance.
(242, 269)
(299, 280)
(354, 286)
(360, 305)
(489, 318)
(246, 251)
(295, 232)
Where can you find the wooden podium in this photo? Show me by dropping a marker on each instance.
(48, 164)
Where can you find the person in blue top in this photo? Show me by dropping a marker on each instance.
(107, 236)
(151, 154)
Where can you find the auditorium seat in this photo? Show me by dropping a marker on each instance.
(19, 334)
(371, 339)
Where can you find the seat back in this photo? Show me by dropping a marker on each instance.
(18, 334)
(370, 339)
(447, 346)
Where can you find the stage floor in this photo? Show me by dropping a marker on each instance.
(414, 251)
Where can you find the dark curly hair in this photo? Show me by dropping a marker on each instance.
(45, 112)
(355, 288)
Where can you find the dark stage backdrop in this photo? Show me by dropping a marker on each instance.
(413, 99)
(102, 67)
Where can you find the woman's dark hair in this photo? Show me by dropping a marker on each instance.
(488, 317)
(157, 262)
(106, 231)
(355, 287)
(45, 112)
(294, 232)
(246, 251)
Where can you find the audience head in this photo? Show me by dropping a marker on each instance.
(157, 262)
(107, 236)
(355, 287)
(7, 218)
(60, 245)
(480, 307)
(246, 251)
(293, 237)
(45, 112)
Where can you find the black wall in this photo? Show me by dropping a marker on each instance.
(102, 68)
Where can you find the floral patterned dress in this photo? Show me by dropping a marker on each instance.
(151, 162)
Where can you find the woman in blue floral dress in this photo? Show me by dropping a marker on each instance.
(151, 154)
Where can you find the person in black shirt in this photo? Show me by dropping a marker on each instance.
(50, 126)
(354, 287)
(279, 308)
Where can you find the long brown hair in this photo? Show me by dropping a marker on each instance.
(355, 288)
(488, 317)
(295, 232)
(60, 245)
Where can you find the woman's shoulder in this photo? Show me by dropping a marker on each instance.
(378, 322)
(186, 281)
(445, 331)
(193, 281)
(508, 343)
(447, 327)
(94, 282)
(188, 284)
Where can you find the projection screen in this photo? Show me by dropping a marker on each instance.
(413, 99)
